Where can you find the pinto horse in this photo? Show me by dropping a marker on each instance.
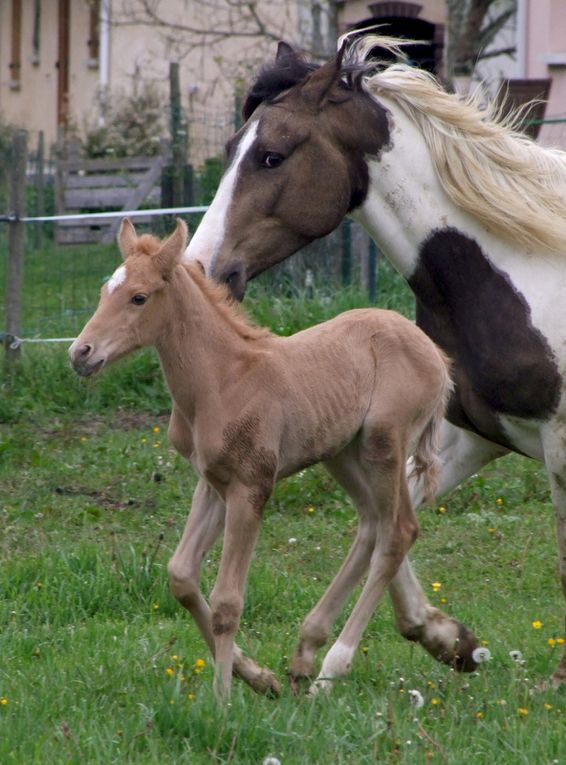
(359, 393)
(472, 214)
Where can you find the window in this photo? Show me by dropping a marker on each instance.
(16, 59)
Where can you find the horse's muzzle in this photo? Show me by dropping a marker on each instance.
(83, 359)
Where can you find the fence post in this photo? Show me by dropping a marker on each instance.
(16, 236)
(372, 271)
(178, 144)
(40, 189)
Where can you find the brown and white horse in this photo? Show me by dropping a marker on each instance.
(471, 212)
(360, 393)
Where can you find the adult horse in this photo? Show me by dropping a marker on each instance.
(472, 214)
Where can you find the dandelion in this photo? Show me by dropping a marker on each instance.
(271, 761)
(157, 444)
(191, 696)
(436, 586)
(156, 429)
(3, 701)
(491, 530)
(443, 600)
(551, 642)
(548, 707)
(310, 509)
(560, 641)
(365, 649)
(416, 698)
(485, 642)
(537, 624)
(522, 711)
(200, 664)
(499, 501)
(441, 510)
(175, 657)
(435, 702)
(480, 715)
(169, 671)
(481, 655)
(517, 656)
(155, 606)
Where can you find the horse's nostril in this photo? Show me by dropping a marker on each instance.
(85, 351)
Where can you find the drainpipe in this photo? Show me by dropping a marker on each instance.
(104, 78)
(522, 38)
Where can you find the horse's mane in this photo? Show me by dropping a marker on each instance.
(220, 298)
(485, 164)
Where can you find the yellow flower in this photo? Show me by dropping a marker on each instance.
(537, 624)
(435, 702)
(559, 641)
(156, 429)
(157, 444)
(169, 671)
(200, 663)
(310, 509)
(191, 696)
(522, 711)
(365, 649)
(155, 606)
(499, 501)
(441, 509)
(444, 600)
(480, 715)
(83, 439)
(175, 657)
(144, 440)
(485, 642)
(548, 707)
(551, 642)
(3, 701)
(436, 586)
(491, 530)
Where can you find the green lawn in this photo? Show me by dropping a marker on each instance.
(99, 664)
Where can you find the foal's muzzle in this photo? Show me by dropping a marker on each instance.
(83, 359)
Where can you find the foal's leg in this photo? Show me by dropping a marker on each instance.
(462, 454)
(396, 530)
(203, 527)
(244, 509)
(318, 623)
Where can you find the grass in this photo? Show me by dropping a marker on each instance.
(99, 664)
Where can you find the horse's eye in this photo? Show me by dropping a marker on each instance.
(139, 299)
(272, 159)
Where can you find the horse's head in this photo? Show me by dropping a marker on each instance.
(132, 311)
(296, 168)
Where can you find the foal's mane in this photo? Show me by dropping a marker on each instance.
(485, 164)
(218, 295)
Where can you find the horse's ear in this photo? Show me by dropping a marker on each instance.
(172, 249)
(285, 53)
(127, 238)
(320, 82)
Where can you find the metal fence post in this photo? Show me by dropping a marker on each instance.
(16, 241)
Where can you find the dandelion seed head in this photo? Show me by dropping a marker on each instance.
(416, 698)
(516, 656)
(481, 655)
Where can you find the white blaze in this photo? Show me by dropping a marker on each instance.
(117, 278)
(207, 239)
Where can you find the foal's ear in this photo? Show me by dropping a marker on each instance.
(127, 238)
(320, 82)
(285, 53)
(172, 249)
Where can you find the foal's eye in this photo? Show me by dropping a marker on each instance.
(139, 299)
(272, 159)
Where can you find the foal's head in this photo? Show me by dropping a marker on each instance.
(297, 166)
(133, 307)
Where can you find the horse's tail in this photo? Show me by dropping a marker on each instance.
(426, 463)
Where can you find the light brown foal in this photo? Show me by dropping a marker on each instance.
(360, 393)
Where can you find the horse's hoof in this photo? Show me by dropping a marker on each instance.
(299, 683)
(266, 683)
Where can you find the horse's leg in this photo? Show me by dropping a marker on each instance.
(462, 454)
(555, 460)
(318, 623)
(396, 531)
(244, 508)
(203, 527)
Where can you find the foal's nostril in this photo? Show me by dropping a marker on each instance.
(85, 351)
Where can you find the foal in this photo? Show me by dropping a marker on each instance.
(360, 393)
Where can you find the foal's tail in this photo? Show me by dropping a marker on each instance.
(426, 463)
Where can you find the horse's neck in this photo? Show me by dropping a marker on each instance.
(199, 349)
(405, 200)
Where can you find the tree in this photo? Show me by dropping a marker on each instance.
(472, 27)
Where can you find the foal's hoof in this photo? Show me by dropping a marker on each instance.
(266, 683)
(299, 683)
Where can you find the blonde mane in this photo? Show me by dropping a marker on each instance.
(489, 168)
(219, 297)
